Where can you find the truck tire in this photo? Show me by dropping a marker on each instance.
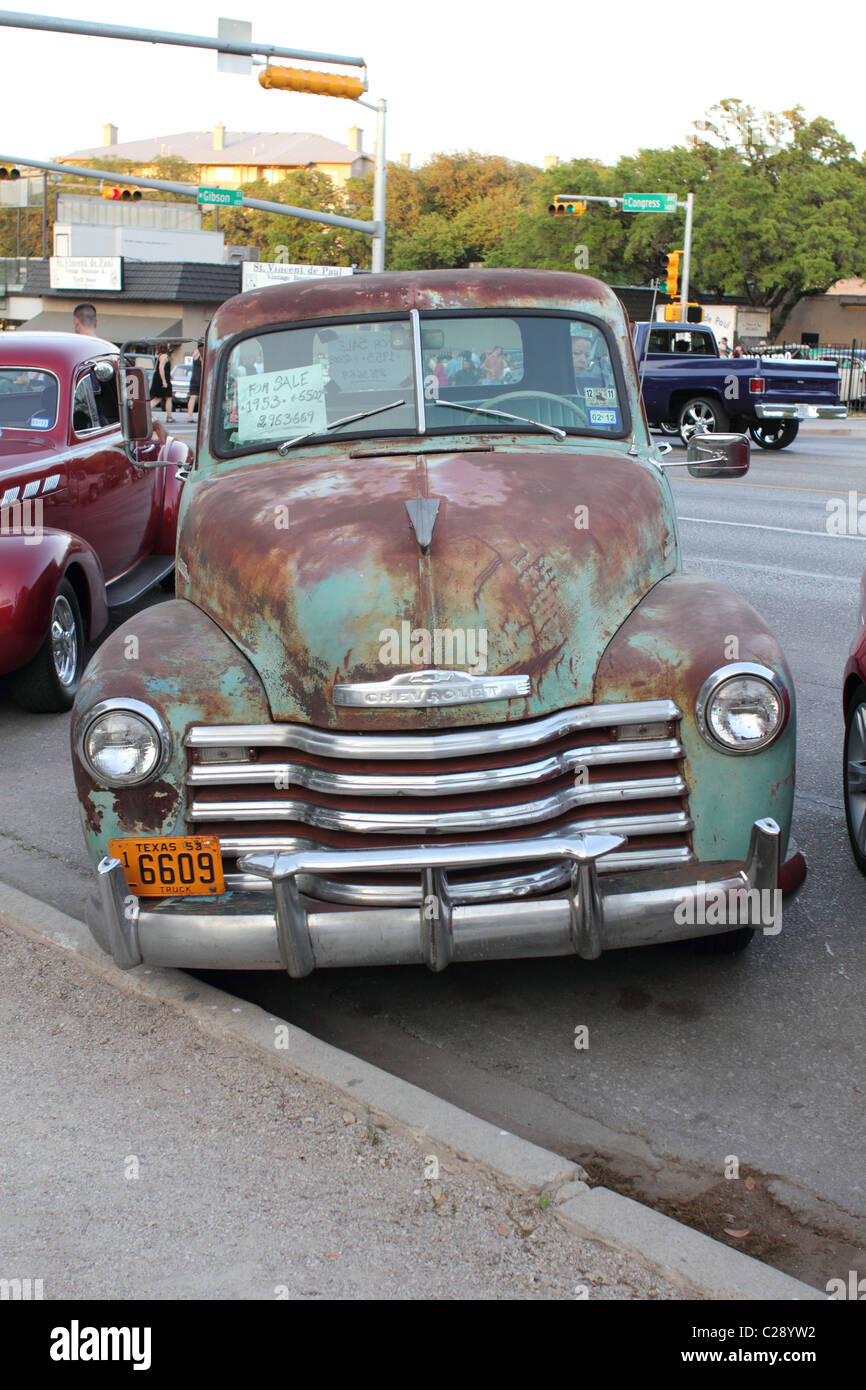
(853, 767)
(47, 684)
(776, 434)
(701, 414)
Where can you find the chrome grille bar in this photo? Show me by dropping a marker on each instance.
(420, 784)
(658, 823)
(461, 743)
(439, 822)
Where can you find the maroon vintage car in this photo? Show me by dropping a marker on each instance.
(86, 523)
(854, 761)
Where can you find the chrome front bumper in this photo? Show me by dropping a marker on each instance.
(800, 412)
(299, 935)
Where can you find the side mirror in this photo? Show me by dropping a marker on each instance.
(718, 455)
(135, 405)
(103, 371)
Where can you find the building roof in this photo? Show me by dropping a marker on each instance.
(239, 147)
(115, 328)
(183, 282)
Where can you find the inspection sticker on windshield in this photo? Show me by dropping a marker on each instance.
(599, 393)
(280, 405)
(38, 422)
(599, 416)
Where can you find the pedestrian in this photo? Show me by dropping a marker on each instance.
(738, 351)
(468, 374)
(494, 364)
(194, 382)
(440, 371)
(724, 350)
(160, 386)
(84, 320)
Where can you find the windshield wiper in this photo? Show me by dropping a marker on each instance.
(504, 415)
(283, 449)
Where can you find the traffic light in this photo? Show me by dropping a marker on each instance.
(672, 275)
(125, 195)
(7, 173)
(566, 207)
(324, 84)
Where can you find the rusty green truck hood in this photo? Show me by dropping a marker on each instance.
(314, 570)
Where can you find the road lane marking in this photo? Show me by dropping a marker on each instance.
(768, 487)
(775, 569)
(757, 526)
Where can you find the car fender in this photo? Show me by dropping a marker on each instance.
(32, 568)
(166, 537)
(682, 631)
(189, 672)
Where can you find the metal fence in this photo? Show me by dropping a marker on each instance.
(850, 359)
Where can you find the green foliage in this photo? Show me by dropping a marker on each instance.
(780, 210)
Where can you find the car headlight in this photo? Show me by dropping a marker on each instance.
(123, 742)
(742, 707)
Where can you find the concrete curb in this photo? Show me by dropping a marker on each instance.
(701, 1267)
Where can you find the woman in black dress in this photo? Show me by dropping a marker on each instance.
(160, 386)
(194, 382)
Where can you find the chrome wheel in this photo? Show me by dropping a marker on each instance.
(697, 416)
(64, 641)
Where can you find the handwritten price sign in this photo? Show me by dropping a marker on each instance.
(281, 404)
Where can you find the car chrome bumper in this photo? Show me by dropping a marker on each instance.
(300, 935)
(800, 412)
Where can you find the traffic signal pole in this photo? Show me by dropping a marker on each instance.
(574, 205)
(687, 251)
(376, 229)
(190, 190)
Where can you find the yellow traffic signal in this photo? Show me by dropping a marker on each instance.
(566, 207)
(7, 173)
(325, 84)
(672, 277)
(125, 195)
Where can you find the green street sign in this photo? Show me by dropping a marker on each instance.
(649, 202)
(221, 197)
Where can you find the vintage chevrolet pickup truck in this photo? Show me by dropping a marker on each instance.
(434, 686)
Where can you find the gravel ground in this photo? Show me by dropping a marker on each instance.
(143, 1159)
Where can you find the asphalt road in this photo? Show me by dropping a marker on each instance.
(691, 1060)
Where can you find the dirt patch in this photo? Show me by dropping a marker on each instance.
(763, 1227)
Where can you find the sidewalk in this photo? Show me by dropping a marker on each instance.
(163, 1138)
(143, 1158)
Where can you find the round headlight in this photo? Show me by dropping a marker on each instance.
(741, 708)
(122, 747)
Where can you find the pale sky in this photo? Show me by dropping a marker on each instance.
(519, 79)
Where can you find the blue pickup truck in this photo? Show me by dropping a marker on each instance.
(687, 386)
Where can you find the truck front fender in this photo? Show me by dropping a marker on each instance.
(177, 661)
(686, 628)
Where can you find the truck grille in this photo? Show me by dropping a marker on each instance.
(614, 767)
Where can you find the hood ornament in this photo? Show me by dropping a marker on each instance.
(422, 514)
(421, 689)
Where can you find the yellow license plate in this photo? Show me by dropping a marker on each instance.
(180, 866)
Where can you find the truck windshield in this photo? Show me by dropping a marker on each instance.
(540, 369)
(28, 399)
